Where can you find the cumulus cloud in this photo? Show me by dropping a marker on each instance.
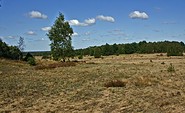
(87, 22)
(105, 18)
(31, 33)
(45, 28)
(90, 21)
(138, 15)
(76, 23)
(75, 34)
(37, 14)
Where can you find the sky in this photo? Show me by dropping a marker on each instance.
(94, 22)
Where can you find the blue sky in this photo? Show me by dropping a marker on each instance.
(95, 22)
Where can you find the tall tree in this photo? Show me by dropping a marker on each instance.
(60, 37)
(21, 44)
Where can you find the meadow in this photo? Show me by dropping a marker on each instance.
(151, 83)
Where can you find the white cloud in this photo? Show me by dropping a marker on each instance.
(31, 33)
(87, 22)
(75, 34)
(138, 15)
(76, 23)
(90, 21)
(37, 14)
(45, 28)
(105, 18)
(10, 37)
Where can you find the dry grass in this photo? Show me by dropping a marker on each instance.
(54, 65)
(148, 86)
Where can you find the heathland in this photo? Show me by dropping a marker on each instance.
(125, 83)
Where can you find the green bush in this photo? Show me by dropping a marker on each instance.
(171, 68)
(28, 55)
(31, 61)
(97, 53)
(80, 57)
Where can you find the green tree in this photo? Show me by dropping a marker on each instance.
(97, 52)
(175, 49)
(15, 53)
(60, 37)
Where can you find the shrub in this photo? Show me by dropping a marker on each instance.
(80, 57)
(28, 55)
(115, 83)
(31, 61)
(97, 53)
(171, 68)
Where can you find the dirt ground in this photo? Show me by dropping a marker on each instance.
(151, 87)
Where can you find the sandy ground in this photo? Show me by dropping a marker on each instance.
(150, 87)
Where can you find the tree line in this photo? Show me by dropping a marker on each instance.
(172, 48)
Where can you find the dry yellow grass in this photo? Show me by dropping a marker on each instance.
(149, 86)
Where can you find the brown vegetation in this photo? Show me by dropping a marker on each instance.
(147, 86)
(54, 65)
(115, 83)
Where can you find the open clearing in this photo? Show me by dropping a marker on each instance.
(149, 86)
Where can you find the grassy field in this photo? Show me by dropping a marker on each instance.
(152, 83)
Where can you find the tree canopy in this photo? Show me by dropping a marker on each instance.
(10, 52)
(60, 37)
(172, 48)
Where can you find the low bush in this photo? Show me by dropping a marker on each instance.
(31, 61)
(28, 55)
(115, 83)
(171, 68)
(80, 57)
